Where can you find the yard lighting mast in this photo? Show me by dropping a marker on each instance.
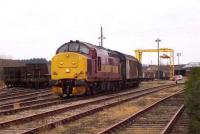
(158, 40)
(178, 54)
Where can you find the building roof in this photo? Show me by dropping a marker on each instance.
(165, 68)
(179, 67)
(192, 64)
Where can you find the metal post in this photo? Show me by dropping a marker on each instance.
(178, 54)
(158, 40)
(101, 37)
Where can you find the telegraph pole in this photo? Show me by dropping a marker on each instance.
(101, 37)
(158, 40)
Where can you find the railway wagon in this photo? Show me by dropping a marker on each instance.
(12, 76)
(83, 68)
(148, 76)
(34, 74)
(37, 73)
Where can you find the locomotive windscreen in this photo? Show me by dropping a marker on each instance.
(73, 47)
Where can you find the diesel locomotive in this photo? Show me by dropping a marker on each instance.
(82, 68)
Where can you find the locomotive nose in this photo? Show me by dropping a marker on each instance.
(69, 65)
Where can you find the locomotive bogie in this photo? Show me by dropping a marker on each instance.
(79, 90)
(57, 90)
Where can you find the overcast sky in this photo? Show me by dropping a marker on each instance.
(36, 28)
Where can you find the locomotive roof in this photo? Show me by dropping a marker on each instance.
(102, 48)
(113, 51)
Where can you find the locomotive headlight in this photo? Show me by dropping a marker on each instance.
(81, 72)
(67, 70)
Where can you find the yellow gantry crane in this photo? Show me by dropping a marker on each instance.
(138, 55)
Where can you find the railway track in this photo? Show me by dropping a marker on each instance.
(52, 116)
(158, 118)
(181, 125)
(46, 102)
(20, 94)
(3, 89)
(8, 93)
(171, 124)
(8, 107)
(13, 98)
(13, 89)
(32, 104)
(12, 93)
(27, 98)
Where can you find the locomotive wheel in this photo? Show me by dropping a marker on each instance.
(88, 92)
(64, 96)
(113, 88)
(93, 91)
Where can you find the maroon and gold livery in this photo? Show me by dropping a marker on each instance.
(83, 68)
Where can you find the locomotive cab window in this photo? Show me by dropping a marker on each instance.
(84, 49)
(99, 63)
(63, 48)
(74, 47)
